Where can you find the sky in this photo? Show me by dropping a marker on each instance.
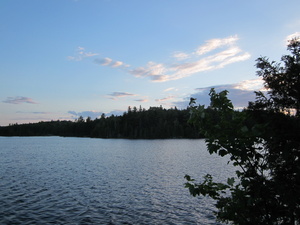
(61, 59)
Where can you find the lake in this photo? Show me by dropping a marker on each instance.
(56, 180)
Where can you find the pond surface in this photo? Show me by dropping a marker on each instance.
(55, 180)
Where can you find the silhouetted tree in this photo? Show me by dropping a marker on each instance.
(282, 82)
(263, 141)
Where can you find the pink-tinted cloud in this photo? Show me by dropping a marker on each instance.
(103, 62)
(141, 100)
(165, 99)
(159, 72)
(122, 94)
(295, 35)
(117, 64)
(214, 54)
(110, 62)
(153, 70)
(216, 43)
(116, 95)
(80, 54)
(170, 89)
(180, 55)
(19, 100)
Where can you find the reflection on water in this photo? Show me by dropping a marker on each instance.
(57, 180)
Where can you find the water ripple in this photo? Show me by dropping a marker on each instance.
(93, 181)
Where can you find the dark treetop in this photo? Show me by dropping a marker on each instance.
(155, 122)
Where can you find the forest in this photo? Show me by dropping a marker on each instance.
(154, 123)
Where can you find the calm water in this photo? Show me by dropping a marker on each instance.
(54, 180)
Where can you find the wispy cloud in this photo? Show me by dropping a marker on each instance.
(250, 85)
(165, 99)
(216, 43)
(109, 62)
(19, 100)
(216, 61)
(222, 52)
(159, 72)
(121, 94)
(153, 70)
(170, 89)
(180, 55)
(103, 62)
(116, 95)
(117, 64)
(41, 113)
(141, 100)
(80, 54)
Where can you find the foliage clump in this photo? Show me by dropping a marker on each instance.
(263, 141)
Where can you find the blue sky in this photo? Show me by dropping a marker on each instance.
(63, 58)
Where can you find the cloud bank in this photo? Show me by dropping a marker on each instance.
(94, 114)
(240, 93)
(85, 114)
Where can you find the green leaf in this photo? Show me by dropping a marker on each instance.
(244, 129)
(188, 178)
(222, 152)
(245, 182)
(203, 115)
(230, 181)
(238, 173)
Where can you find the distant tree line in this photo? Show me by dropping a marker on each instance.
(154, 123)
